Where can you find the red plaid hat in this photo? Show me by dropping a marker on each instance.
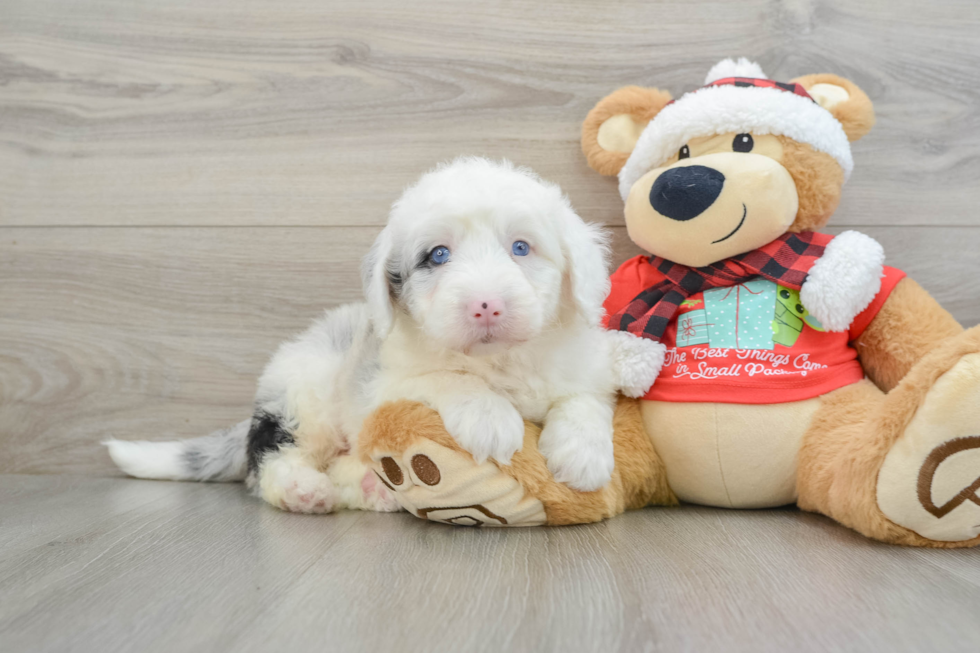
(737, 97)
(744, 82)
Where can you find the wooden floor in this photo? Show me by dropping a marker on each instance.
(111, 565)
(183, 184)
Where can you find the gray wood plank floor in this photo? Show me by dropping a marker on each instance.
(110, 565)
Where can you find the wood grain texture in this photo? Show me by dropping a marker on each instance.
(156, 333)
(234, 112)
(121, 565)
(183, 184)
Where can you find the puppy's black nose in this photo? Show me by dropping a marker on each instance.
(685, 193)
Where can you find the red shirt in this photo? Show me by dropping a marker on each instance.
(748, 344)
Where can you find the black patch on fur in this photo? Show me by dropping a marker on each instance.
(423, 261)
(395, 282)
(212, 462)
(266, 434)
(194, 462)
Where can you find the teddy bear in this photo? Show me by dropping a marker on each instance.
(798, 369)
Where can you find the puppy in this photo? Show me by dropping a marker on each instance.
(484, 299)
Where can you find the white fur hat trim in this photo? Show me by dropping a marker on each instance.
(731, 68)
(740, 109)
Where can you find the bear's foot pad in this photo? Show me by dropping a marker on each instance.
(444, 484)
(929, 482)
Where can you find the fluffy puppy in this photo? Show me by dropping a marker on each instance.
(483, 300)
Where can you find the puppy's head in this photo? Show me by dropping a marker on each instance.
(482, 256)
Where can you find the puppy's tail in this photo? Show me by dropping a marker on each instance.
(220, 456)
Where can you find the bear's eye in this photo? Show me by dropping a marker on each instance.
(743, 143)
(784, 294)
(800, 309)
(685, 153)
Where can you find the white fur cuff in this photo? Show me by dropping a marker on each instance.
(844, 281)
(636, 362)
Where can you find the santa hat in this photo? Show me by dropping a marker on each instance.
(737, 97)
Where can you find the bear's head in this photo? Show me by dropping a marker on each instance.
(732, 166)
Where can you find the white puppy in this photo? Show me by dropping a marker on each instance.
(484, 300)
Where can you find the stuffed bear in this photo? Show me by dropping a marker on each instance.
(798, 369)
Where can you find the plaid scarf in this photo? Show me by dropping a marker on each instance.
(785, 261)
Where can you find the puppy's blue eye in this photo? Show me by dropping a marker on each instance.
(521, 248)
(439, 255)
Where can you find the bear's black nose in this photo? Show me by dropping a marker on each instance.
(684, 193)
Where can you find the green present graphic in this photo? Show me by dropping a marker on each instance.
(741, 316)
(692, 328)
(790, 316)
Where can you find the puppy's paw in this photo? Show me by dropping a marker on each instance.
(636, 362)
(290, 485)
(358, 486)
(486, 425)
(376, 496)
(579, 454)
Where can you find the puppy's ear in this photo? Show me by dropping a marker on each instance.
(381, 282)
(611, 129)
(585, 248)
(844, 100)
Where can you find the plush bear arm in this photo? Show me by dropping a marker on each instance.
(432, 477)
(909, 325)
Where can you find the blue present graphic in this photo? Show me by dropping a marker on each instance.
(741, 316)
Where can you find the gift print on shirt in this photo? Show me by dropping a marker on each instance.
(791, 315)
(741, 316)
(758, 314)
(692, 323)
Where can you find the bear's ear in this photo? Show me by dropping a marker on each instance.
(611, 129)
(844, 100)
